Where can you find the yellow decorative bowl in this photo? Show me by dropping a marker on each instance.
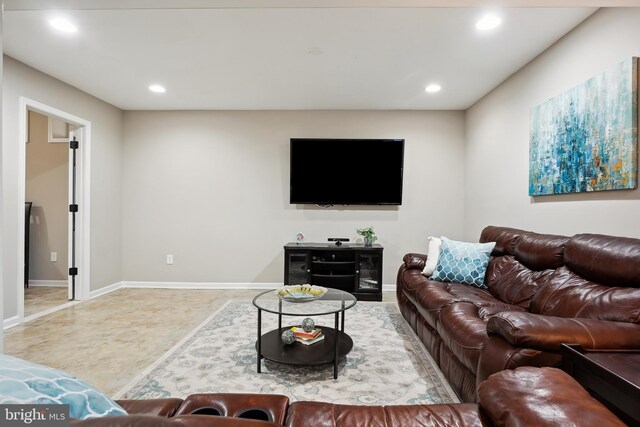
(301, 293)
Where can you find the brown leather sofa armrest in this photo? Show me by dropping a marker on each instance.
(161, 407)
(412, 261)
(320, 414)
(268, 407)
(540, 397)
(528, 330)
(179, 421)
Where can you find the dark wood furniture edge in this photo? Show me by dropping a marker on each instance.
(618, 394)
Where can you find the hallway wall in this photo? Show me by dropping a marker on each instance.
(105, 181)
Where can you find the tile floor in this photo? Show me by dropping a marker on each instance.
(41, 298)
(109, 340)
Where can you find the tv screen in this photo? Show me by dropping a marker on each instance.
(346, 171)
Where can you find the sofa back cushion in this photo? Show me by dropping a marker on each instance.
(540, 251)
(504, 237)
(521, 260)
(607, 260)
(565, 294)
(511, 282)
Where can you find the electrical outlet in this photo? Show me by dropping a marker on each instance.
(54, 256)
(169, 259)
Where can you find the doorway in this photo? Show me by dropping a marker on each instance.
(54, 245)
(46, 214)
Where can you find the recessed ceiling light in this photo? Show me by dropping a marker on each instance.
(63, 24)
(433, 88)
(488, 22)
(157, 89)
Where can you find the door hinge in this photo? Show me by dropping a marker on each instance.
(73, 271)
(73, 208)
(73, 144)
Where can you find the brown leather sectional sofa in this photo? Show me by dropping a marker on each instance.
(543, 290)
(523, 397)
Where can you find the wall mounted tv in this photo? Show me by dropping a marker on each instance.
(346, 171)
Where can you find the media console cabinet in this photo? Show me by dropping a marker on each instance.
(353, 268)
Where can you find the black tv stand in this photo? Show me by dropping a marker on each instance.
(354, 268)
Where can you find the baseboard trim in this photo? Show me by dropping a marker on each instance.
(105, 290)
(15, 320)
(199, 285)
(49, 283)
(388, 288)
(11, 322)
(49, 311)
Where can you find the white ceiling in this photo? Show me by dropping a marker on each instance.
(281, 57)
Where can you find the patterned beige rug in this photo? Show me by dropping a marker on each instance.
(387, 365)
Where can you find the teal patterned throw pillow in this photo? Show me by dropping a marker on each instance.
(23, 382)
(463, 262)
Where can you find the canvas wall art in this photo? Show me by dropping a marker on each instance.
(586, 139)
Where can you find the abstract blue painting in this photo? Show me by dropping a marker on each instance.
(586, 139)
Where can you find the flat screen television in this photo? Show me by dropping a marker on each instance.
(346, 171)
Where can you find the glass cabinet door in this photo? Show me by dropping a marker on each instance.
(368, 272)
(297, 268)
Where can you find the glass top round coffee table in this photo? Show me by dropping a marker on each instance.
(335, 345)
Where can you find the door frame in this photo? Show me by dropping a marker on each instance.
(83, 169)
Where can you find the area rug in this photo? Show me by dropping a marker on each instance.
(388, 364)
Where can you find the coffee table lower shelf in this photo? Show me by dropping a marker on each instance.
(323, 352)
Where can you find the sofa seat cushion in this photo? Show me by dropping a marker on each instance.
(335, 415)
(482, 299)
(433, 296)
(464, 332)
(472, 294)
(565, 294)
(414, 284)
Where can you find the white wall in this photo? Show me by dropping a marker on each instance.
(106, 174)
(497, 138)
(211, 188)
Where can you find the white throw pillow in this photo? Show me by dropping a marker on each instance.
(432, 256)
